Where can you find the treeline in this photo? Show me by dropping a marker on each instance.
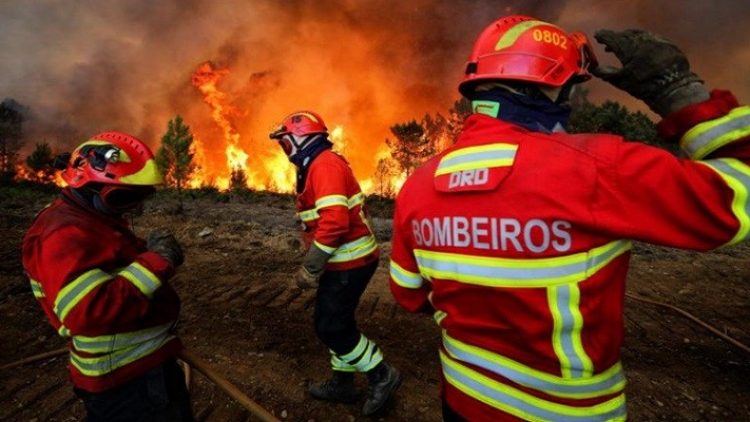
(413, 142)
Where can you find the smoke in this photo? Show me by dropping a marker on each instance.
(89, 66)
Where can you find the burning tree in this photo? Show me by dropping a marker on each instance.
(175, 155)
(384, 174)
(11, 133)
(39, 163)
(238, 179)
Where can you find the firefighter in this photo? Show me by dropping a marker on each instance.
(105, 289)
(342, 256)
(518, 237)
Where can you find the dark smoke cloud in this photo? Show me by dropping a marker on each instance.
(87, 66)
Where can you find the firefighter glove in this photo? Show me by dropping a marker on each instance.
(166, 245)
(313, 266)
(653, 70)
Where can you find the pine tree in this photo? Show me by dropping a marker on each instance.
(11, 134)
(384, 173)
(39, 163)
(238, 179)
(175, 155)
(411, 147)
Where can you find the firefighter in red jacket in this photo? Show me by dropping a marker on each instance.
(518, 236)
(105, 289)
(341, 259)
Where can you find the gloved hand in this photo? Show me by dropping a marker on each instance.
(653, 70)
(312, 268)
(166, 245)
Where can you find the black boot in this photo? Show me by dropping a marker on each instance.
(384, 379)
(340, 388)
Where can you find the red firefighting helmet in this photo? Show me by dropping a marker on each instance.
(295, 130)
(112, 158)
(521, 48)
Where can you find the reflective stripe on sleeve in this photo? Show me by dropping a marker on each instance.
(102, 365)
(564, 303)
(328, 249)
(405, 278)
(482, 156)
(709, 136)
(115, 342)
(524, 405)
(37, 289)
(519, 273)
(608, 382)
(329, 201)
(359, 248)
(146, 281)
(70, 295)
(737, 175)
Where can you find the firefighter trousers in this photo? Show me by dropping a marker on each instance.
(335, 304)
(159, 395)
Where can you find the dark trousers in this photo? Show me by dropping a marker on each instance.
(159, 395)
(336, 301)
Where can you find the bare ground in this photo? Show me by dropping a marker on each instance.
(239, 315)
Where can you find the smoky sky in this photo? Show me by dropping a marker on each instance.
(86, 66)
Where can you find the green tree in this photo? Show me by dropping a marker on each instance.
(175, 155)
(411, 147)
(612, 117)
(11, 135)
(39, 162)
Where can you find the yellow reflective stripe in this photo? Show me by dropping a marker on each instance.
(439, 316)
(113, 342)
(102, 365)
(63, 331)
(405, 278)
(331, 201)
(327, 249)
(142, 278)
(737, 175)
(519, 273)
(308, 215)
(608, 382)
(358, 349)
(566, 333)
(359, 248)
(73, 292)
(37, 289)
(365, 356)
(148, 175)
(481, 156)
(339, 365)
(524, 405)
(511, 36)
(709, 136)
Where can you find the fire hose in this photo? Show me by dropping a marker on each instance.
(193, 361)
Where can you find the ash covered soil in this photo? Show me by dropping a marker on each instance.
(239, 315)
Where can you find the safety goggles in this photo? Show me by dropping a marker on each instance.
(588, 58)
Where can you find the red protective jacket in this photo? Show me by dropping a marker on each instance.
(520, 241)
(333, 213)
(99, 286)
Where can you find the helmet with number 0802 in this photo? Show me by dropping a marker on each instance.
(521, 48)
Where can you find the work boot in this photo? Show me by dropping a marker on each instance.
(340, 388)
(384, 379)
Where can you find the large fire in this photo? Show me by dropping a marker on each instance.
(265, 167)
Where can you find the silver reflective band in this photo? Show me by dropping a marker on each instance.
(519, 273)
(115, 342)
(524, 405)
(709, 136)
(463, 162)
(142, 278)
(102, 365)
(353, 250)
(405, 278)
(76, 290)
(608, 382)
(737, 175)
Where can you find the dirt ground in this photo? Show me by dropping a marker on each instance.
(238, 314)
